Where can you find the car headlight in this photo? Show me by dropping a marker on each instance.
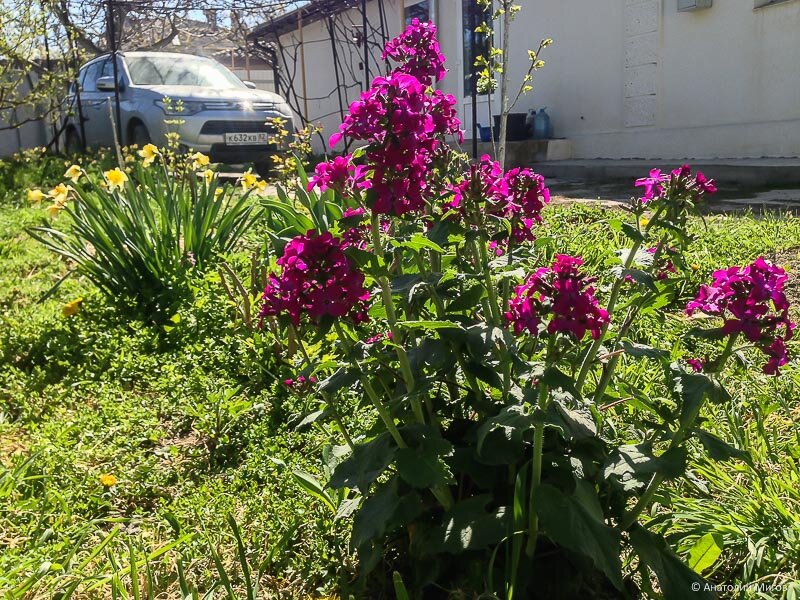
(179, 107)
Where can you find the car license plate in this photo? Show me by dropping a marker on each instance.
(247, 139)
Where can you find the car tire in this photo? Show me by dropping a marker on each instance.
(72, 142)
(139, 135)
(264, 169)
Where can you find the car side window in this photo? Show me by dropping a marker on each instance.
(108, 69)
(89, 82)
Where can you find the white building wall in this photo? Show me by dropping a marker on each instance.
(320, 76)
(638, 79)
(624, 78)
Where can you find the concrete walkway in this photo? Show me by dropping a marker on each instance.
(753, 173)
(729, 198)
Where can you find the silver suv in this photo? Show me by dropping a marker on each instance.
(211, 109)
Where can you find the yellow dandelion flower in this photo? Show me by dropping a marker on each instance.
(149, 152)
(249, 181)
(208, 175)
(695, 267)
(72, 308)
(35, 196)
(59, 194)
(74, 173)
(108, 480)
(200, 160)
(644, 222)
(116, 178)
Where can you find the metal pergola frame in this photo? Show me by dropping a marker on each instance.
(326, 9)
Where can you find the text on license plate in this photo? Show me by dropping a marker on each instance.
(246, 139)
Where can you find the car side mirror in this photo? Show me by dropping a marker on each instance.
(250, 84)
(106, 84)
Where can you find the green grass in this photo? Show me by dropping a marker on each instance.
(92, 394)
(190, 421)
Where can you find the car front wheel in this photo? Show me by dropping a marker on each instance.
(139, 135)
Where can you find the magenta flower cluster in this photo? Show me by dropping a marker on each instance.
(751, 301)
(316, 279)
(678, 184)
(518, 195)
(339, 174)
(560, 296)
(417, 50)
(404, 125)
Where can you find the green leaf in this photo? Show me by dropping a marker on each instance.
(500, 439)
(677, 581)
(555, 378)
(403, 283)
(310, 484)
(484, 373)
(342, 378)
(705, 552)
(632, 232)
(713, 334)
(424, 466)
(399, 587)
(633, 465)
(718, 449)
(430, 325)
(644, 351)
(367, 462)
(467, 526)
(568, 523)
(639, 276)
(468, 300)
(573, 423)
(382, 511)
(418, 242)
(692, 389)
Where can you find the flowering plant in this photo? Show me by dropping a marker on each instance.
(138, 230)
(487, 359)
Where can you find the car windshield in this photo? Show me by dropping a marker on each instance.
(172, 70)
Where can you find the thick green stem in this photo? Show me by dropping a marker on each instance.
(383, 412)
(494, 306)
(536, 461)
(391, 317)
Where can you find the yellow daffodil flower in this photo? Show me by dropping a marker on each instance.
(54, 209)
(200, 160)
(261, 185)
(72, 308)
(149, 152)
(59, 194)
(108, 480)
(74, 173)
(35, 196)
(249, 181)
(116, 178)
(217, 193)
(208, 175)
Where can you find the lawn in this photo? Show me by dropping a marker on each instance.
(140, 461)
